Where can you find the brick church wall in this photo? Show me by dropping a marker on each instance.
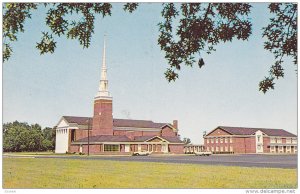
(74, 148)
(168, 132)
(103, 119)
(151, 133)
(176, 149)
(80, 133)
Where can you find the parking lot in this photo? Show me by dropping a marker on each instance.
(249, 160)
(268, 161)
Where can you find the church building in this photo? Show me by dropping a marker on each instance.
(103, 134)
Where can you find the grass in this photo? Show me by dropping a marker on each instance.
(72, 173)
(29, 153)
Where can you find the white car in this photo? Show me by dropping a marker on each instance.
(141, 153)
(202, 153)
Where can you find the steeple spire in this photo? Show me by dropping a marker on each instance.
(103, 85)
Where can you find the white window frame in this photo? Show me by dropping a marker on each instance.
(288, 149)
(272, 140)
(226, 148)
(226, 140)
(272, 149)
(278, 140)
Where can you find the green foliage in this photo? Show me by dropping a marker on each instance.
(281, 35)
(201, 27)
(186, 141)
(14, 17)
(19, 137)
(130, 7)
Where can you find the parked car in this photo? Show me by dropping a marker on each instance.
(202, 153)
(141, 153)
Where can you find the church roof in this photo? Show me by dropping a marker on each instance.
(169, 139)
(137, 123)
(105, 138)
(118, 122)
(250, 131)
(78, 120)
(123, 138)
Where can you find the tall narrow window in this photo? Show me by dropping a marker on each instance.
(72, 135)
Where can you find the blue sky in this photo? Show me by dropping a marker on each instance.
(41, 89)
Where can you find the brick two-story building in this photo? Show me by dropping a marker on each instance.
(103, 134)
(250, 140)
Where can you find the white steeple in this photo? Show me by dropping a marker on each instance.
(103, 85)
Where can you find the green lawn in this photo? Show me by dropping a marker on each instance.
(71, 173)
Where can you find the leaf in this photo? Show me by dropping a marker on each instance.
(200, 62)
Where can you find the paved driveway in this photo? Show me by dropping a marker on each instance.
(253, 160)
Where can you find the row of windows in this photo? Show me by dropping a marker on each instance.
(61, 131)
(111, 148)
(220, 149)
(279, 140)
(220, 139)
(281, 147)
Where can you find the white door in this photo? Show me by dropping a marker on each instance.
(139, 147)
(127, 148)
(164, 148)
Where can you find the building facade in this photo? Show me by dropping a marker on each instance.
(103, 134)
(250, 140)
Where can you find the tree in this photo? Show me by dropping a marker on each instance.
(19, 137)
(281, 36)
(15, 15)
(49, 138)
(186, 140)
(201, 27)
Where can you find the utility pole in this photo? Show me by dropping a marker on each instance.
(89, 136)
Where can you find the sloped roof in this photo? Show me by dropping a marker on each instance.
(172, 139)
(118, 122)
(250, 131)
(169, 139)
(105, 138)
(137, 123)
(278, 132)
(78, 120)
(123, 138)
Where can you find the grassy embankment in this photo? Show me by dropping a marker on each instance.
(71, 173)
